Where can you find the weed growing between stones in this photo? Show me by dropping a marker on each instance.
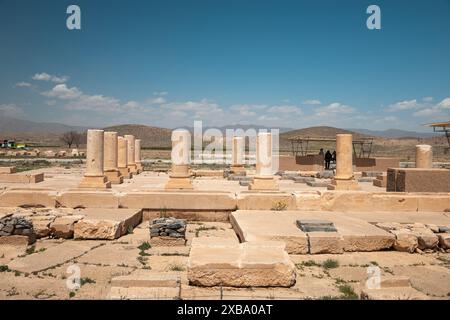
(279, 206)
(348, 292)
(330, 264)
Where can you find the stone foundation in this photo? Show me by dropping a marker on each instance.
(95, 182)
(418, 180)
(222, 262)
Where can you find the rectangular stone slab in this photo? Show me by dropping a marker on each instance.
(22, 178)
(315, 225)
(7, 170)
(356, 234)
(418, 180)
(107, 224)
(255, 264)
(51, 257)
(269, 226)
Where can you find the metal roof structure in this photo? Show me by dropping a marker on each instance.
(441, 127)
(362, 148)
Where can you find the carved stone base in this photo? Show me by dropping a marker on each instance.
(95, 182)
(114, 176)
(237, 169)
(343, 185)
(264, 183)
(139, 167)
(133, 168)
(125, 173)
(184, 183)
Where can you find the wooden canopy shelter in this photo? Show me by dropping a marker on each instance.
(362, 148)
(443, 127)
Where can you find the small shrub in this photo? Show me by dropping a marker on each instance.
(348, 292)
(71, 294)
(4, 268)
(176, 267)
(330, 264)
(279, 206)
(144, 246)
(84, 281)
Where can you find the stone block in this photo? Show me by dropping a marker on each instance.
(179, 200)
(22, 178)
(325, 242)
(114, 177)
(41, 225)
(426, 238)
(28, 198)
(82, 198)
(95, 182)
(63, 227)
(265, 200)
(106, 224)
(16, 240)
(264, 184)
(343, 185)
(147, 279)
(251, 264)
(402, 293)
(7, 170)
(405, 241)
(418, 180)
(444, 240)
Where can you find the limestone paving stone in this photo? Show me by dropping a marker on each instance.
(107, 224)
(52, 256)
(252, 264)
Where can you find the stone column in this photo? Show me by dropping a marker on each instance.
(424, 156)
(122, 158)
(264, 179)
(180, 177)
(137, 155)
(130, 154)
(94, 176)
(237, 160)
(112, 172)
(343, 180)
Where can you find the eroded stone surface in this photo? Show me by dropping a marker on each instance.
(216, 262)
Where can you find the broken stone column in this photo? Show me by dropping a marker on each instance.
(343, 180)
(122, 158)
(94, 177)
(424, 156)
(110, 163)
(264, 179)
(237, 160)
(137, 155)
(180, 177)
(131, 153)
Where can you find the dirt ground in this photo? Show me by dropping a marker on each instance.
(325, 276)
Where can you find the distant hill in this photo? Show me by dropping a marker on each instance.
(396, 133)
(320, 132)
(13, 125)
(152, 137)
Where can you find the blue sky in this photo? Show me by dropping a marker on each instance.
(277, 63)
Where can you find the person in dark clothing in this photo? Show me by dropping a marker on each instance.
(328, 157)
(334, 156)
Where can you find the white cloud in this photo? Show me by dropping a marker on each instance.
(61, 91)
(444, 104)
(434, 111)
(428, 99)
(286, 109)
(11, 110)
(48, 77)
(334, 108)
(23, 84)
(404, 105)
(312, 102)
